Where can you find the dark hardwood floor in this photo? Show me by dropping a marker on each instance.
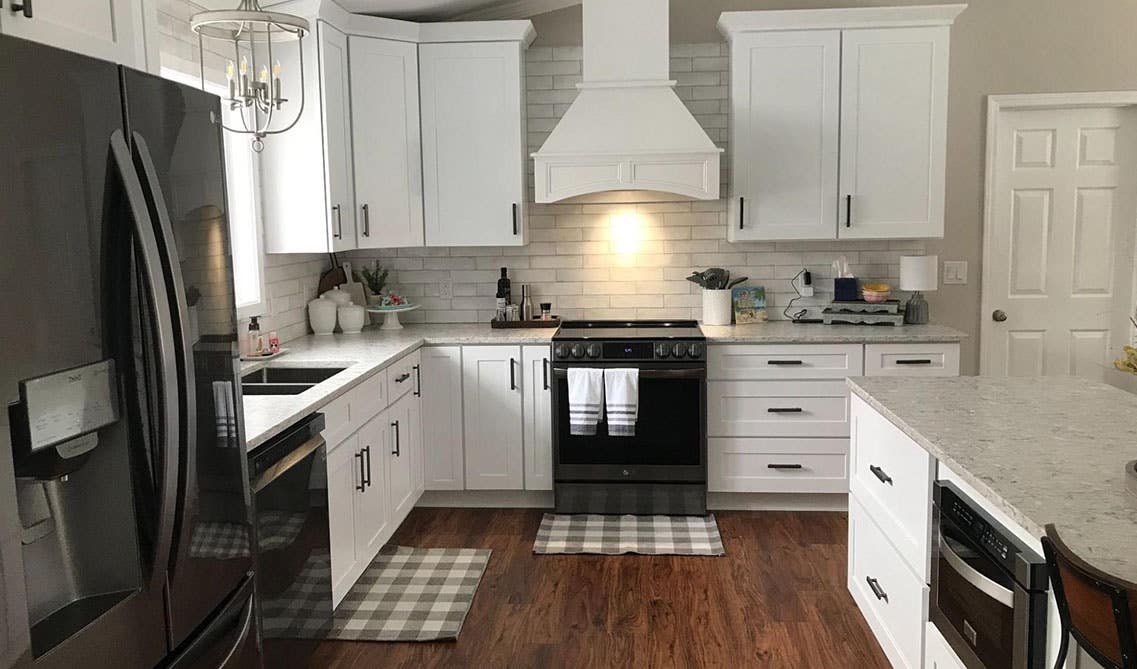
(777, 599)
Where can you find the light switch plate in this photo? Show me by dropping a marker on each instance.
(955, 272)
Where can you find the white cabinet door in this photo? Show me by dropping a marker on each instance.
(386, 143)
(491, 395)
(401, 457)
(345, 477)
(107, 29)
(441, 388)
(372, 505)
(785, 99)
(337, 136)
(538, 418)
(473, 142)
(893, 132)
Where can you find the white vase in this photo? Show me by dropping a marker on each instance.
(322, 316)
(716, 306)
(351, 318)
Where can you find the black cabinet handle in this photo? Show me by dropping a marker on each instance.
(848, 211)
(784, 362)
(788, 466)
(512, 375)
(922, 361)
(876, 589)
(398, 449)
(338, 234)
(402, 377)
(879, 473)
(784, 410)
(366, 221)
(515, 218)
(418, 380)
(741, 212)
(545, 372)
(367, 451)
(25, 7)
(362, 473)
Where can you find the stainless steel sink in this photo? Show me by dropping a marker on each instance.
(285, 380)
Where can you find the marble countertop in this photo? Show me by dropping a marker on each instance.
(1044, 450)
(786, 332)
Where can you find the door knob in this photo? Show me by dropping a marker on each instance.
(998, 315)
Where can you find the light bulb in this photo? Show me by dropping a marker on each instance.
(276, 69)
(244, 66)
(264, 74)
(229, 71)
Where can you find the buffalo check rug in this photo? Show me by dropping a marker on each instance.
(411, 594)
(615, 535)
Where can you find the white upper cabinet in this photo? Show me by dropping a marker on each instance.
(786, 92)
(386, 143)
(893, 132)
(334, 69)
(107, 29)
(473, 140)
(838, 122)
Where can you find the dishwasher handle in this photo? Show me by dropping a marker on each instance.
(277, 469)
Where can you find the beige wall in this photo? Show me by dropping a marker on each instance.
(998, 46)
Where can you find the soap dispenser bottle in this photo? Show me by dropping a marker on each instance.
(256, 339)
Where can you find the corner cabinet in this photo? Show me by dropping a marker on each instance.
(473, 141)
(114, 30)
(838, 122)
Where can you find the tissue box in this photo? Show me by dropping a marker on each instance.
(845, 289)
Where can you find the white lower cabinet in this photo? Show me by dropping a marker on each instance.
(373, 503)
(754, 464)
(344, 480)
(538, 417)
(491, 397)
(405, 434)
(937, 653)
(777, 409)
(443, 461)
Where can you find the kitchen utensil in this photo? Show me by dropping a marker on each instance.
(331, 278)
(737, 281)
(716, 278)
(322, 316)
(351, 318)
(698, 279)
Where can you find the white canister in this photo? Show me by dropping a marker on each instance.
(716, 306)
(322, 316)
(351, 317)
(337, 296)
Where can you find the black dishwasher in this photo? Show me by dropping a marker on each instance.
(289, 480)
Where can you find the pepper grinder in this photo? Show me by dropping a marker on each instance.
(526, 303)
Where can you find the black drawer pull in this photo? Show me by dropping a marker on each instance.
(879, 473)
(515, 218)
(25, 7)
(784, 362)
(402, 377)
(418, 380)
(367, 452)
(398, 452)
(848, 211)
(741, 213)
(920, 361)
(777, 466)
(876, 589)
(784, 410)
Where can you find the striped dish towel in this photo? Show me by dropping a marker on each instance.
(622, 397)
(225, 414)
(586, 400)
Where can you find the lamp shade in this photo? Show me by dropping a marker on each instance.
(919, 272)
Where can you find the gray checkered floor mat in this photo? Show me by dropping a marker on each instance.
(411, 594)
(615, 535)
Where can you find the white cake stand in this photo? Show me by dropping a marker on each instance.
(391, 314)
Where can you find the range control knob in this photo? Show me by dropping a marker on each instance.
(695, 350)
(679, 349)
(561, 351)
(662, 350)
(594, 350)
(577, 351)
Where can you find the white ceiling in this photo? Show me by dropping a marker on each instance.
(436, 10)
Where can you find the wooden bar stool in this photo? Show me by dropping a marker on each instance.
(1097, 609)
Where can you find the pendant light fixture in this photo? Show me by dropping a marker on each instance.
(254, 73)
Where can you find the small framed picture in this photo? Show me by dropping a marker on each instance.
(749, 304)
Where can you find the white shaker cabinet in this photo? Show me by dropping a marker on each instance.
(443, 462)
(403, 456)
(344, 480)
(386, 143)
(491, 396)
(373, 504)
(107, 29)
(473, 143)
(538, 417)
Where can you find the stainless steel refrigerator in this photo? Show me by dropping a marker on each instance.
(122, 444)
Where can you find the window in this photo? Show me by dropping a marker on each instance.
(242, 185)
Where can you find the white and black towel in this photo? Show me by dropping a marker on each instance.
(225, 414)
(586, 399)
(622, 397)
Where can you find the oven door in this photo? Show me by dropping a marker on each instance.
(974, 601)
(670, 444)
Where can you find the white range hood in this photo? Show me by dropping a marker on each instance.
(626, 130)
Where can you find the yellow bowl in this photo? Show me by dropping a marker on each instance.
(877, 287)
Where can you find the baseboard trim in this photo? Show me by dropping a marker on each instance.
(716, 501)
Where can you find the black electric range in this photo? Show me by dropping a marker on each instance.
(622, 341)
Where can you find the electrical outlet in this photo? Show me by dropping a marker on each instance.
(446, 288)
(955, 272)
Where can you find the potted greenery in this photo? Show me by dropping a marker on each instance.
(374, 280)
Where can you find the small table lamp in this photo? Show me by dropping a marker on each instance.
(918, 273)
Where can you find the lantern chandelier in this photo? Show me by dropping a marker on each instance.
(253, 89)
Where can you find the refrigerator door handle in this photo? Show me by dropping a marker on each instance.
(164, 343)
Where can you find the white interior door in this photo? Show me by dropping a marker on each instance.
(1058, 259)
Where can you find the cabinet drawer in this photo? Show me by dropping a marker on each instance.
(369, 398)
(912, 360)
(777, 409)
(891, 476)
(402, 377)
(337, 421)
(748, 464)
(795, 361)
(893, 601)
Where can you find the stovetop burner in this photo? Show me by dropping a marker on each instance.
(624, 341)
(641, 330)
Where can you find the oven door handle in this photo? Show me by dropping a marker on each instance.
(976, 579)
(700, 373)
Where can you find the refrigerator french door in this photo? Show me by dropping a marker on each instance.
(118, 346)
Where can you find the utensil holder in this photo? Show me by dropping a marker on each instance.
(716, 306)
